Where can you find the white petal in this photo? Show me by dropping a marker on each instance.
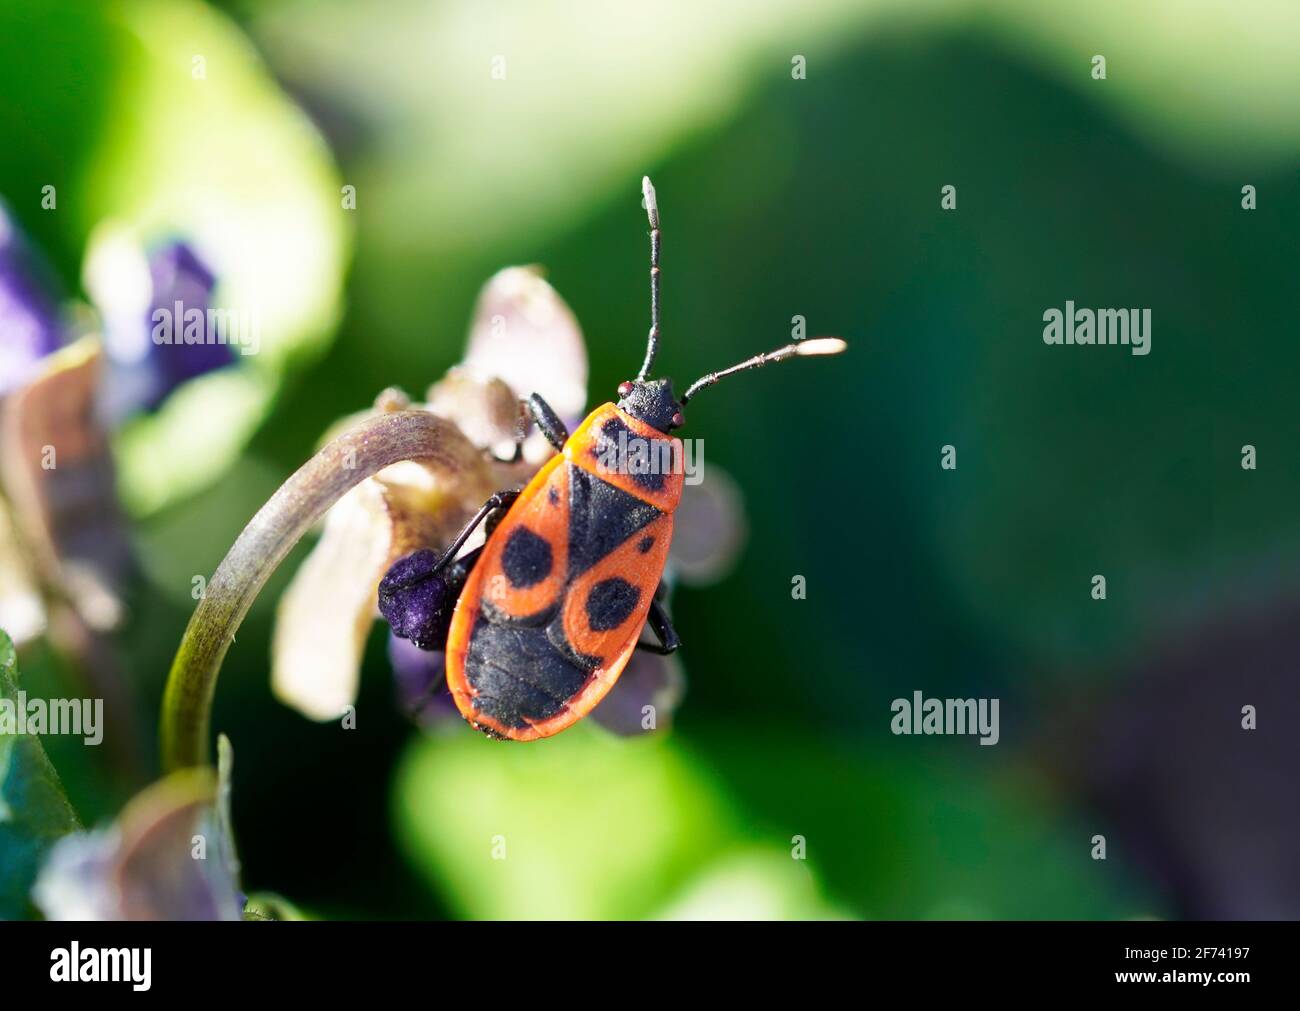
(330, 605)
(58, 477)
(22, 614)
(525, 334)
(326, 613)
(485, 410)
(75, 881)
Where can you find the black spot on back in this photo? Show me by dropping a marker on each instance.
(552, 496)
(619, 448)
(601, 517)
(646, 544)
(526, 558)
(610, 603)
(517, 673)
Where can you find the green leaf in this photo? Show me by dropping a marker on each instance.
(926, 831)
(760, 884)
(34, 811)
(578, 826)
(729, 827)
(224, 824)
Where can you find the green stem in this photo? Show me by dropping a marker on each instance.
(363, 450)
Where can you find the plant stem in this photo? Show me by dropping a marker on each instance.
(361, 451)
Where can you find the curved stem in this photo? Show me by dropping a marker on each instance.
(363, 450)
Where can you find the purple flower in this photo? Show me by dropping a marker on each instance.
(182, 293)
(169, 855)
(644, 696)
(158, 330)
(29, 320)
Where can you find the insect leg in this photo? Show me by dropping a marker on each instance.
(547, 421)
(499, 500)
(662, 627)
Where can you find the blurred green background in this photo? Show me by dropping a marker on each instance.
(780, 197)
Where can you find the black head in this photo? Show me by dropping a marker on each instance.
(651, 401)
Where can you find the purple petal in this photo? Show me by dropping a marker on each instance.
(182, 284)
(76, 881)
(419, 677)
(710, 528)
(145, 866)
(29, 323)
(644, 697)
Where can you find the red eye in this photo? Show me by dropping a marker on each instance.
(678, 420)
(624, 389)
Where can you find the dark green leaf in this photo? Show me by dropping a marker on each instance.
(34, 811)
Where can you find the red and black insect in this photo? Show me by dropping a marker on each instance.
(540, 621)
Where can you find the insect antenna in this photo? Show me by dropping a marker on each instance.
(652, 343)
(800, 349)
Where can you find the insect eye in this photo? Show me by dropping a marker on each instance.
(624, 389)
(678, 420)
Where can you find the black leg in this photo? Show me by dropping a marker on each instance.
(547, 421)
(662, 627)
(499, 500)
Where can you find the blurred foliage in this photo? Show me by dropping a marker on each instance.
(156, 116)
(779, 197)
(34, 811)
(585, 825)
(498, 828)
